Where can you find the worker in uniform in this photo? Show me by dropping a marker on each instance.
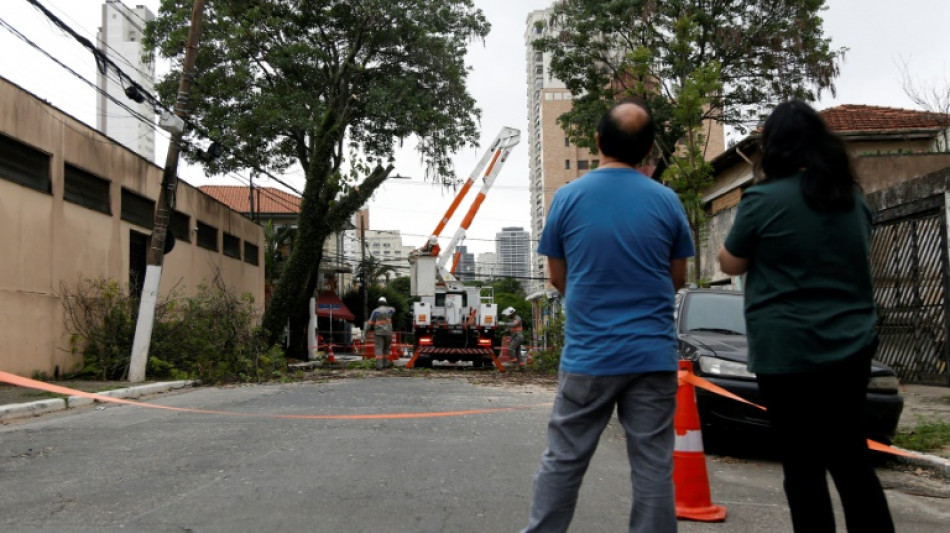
(514, 328)
(381, 326)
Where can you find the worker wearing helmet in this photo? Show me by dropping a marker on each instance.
(381, 325)
(514, 328)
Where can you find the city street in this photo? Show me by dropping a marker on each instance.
(129, 468)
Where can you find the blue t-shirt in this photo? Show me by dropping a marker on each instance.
(617, 230)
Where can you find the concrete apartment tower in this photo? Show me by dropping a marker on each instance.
(120, 38)
(465, 271)
(553, 160)
(486, 265)
(513, 250)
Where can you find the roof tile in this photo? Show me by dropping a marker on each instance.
(849, 117)
(266, 199)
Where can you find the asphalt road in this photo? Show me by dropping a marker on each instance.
(127, 468)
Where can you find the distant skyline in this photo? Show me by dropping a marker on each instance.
(879, 35)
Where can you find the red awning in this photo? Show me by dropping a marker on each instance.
(330, 305)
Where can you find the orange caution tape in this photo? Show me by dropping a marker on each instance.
(696, 381)
(39, 385)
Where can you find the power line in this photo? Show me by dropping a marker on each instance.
(25, 39)
(103, 62)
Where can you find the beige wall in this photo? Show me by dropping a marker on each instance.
(47, 241)
(877, 165)
(877, 172)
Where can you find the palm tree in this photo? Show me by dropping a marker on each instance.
(277, 241)
(375, 272)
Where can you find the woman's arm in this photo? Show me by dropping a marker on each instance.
(730, 264)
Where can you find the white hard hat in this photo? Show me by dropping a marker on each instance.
(508, 311)
(382, 299)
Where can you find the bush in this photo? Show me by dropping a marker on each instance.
(212, 336)
(549, 358)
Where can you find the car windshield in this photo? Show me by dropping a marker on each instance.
(721, 313)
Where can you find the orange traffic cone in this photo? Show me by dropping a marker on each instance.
(330, 358)
(689, 462)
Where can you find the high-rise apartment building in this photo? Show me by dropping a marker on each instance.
(486, 265)
(120, 39)
(465, 270)
(387, 247)
(513, 249)
(553, 160)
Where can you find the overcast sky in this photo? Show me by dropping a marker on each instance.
(879, 34)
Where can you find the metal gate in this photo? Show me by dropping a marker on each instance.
(909, 269)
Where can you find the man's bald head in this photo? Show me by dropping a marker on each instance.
(626, 132)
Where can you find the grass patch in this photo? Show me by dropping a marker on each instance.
(924, 437)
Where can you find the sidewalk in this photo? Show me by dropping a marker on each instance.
(927, 403)
(16, 411)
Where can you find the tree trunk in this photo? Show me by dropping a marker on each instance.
(290, 300)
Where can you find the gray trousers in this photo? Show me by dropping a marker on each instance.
(382, 349)
(514, 347)
(645, 405)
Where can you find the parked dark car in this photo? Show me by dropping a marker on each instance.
(710, 325)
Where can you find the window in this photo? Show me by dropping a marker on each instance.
(181, 226)
(567, 164)
(251, 254)
(567, 141)
(207, 236)
(85, 189)
(582, 164)
(137, 209)
(25, 165)
(595, 163)
(538, 56)
(232, 246)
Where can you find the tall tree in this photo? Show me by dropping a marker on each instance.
(287, 84)
(694, 61)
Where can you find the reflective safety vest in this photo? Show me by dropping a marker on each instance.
(381, 320)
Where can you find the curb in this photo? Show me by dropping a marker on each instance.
(26, 410)
(937, 465)
(41, 407)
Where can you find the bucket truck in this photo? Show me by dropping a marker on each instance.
(454, 322)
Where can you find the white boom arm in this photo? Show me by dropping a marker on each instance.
(500, 149)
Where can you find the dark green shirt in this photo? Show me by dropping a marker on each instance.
(808, 293)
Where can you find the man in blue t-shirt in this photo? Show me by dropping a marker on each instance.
(617, 244)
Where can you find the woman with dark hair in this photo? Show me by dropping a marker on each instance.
(802, 235)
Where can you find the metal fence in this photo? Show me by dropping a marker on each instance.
(909, 265)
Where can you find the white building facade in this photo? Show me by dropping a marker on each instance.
(513, 248)
(486, 265)
(132, 124)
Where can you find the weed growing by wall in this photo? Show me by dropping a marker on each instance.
(212, 336)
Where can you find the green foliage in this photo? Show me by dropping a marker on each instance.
(402, 285)
(508, 292)
(508, 286)
(375, 272)
(924, 437)
(669, 52)
(211, 336)
(548, 359)
(395, 299)
(308, 84)
(277, 241)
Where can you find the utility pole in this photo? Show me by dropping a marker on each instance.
(164, 208)
(251, 194)
(363, 268)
